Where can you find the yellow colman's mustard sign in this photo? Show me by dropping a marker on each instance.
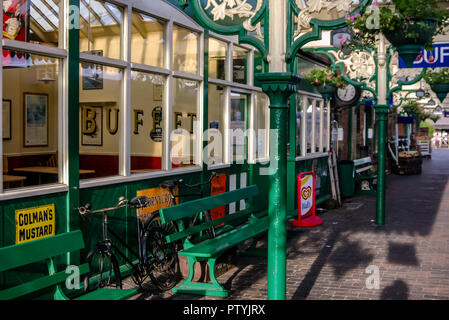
(35, 223)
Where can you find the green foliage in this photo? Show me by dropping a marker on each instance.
(318, 77)
(434, 77)
(413, 109)
(393, 15)
(425, 124)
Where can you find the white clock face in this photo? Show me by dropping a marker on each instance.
(347, 94)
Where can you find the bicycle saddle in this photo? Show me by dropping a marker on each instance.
(139, 202)
(169, 184)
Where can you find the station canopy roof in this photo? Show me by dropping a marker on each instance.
(442, 123)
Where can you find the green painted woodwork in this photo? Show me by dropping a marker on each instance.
(38, 284)
(216, 246)
(235, 26)
(123, 222)
(8, 208)
(35, 251)
(189, 209)
(46, 249)
(206, 225)
(108, 294)
(210, 249)
(293, 46)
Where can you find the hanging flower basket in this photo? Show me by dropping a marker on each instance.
(411, 37)
(438, 82)
(441, 90)
(409, 25)
(327, 91)
(326, 81)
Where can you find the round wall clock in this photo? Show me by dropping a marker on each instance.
(347, 96)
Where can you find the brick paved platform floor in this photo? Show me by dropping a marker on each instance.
(335, 260)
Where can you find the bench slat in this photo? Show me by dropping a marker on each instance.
(109, 294)
(206, 225)
(190, 208)
(215, 246)
(358, 162)
(38, 284)
(38, 250)
(364, 169)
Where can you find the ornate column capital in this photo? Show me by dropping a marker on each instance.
(279, 86)
(382, 109)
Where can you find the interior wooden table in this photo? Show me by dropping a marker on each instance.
(47, 170)
(9, 179)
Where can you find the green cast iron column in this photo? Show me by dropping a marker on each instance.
(279, 87)
(73, 194)
(382, 118)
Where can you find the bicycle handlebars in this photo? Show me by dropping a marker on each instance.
(142, 201)
(136, 202)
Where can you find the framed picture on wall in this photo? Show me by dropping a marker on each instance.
(35, 119)
(6, 126)
(92, 74)
(91, 125)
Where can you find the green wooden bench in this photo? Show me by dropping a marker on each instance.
(46, 250)
(238, 227)
(365, 177)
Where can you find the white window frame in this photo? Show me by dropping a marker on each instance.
(169, 21)
(315, 100)
(61, 53)
(249, 89)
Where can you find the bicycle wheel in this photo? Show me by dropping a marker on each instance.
(162, 257)
(103, 269)
(207, 218)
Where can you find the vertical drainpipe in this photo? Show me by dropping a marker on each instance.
(72, 82)
(381, 109)
(205, 105)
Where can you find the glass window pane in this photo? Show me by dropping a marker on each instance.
(100, 32)
(147, 40)
(239, 103)
(185, 121)
(185, 50)
(30, 122)
(46, 11)
(35, 21)
(100, 98)
(317, 125)
(299, 123)
(216, 121)
(309, 121)
(325, 128)
(261, 113)
(217, 58)
(240, 64)
(147, 96)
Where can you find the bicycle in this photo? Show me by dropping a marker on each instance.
(156, 259)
